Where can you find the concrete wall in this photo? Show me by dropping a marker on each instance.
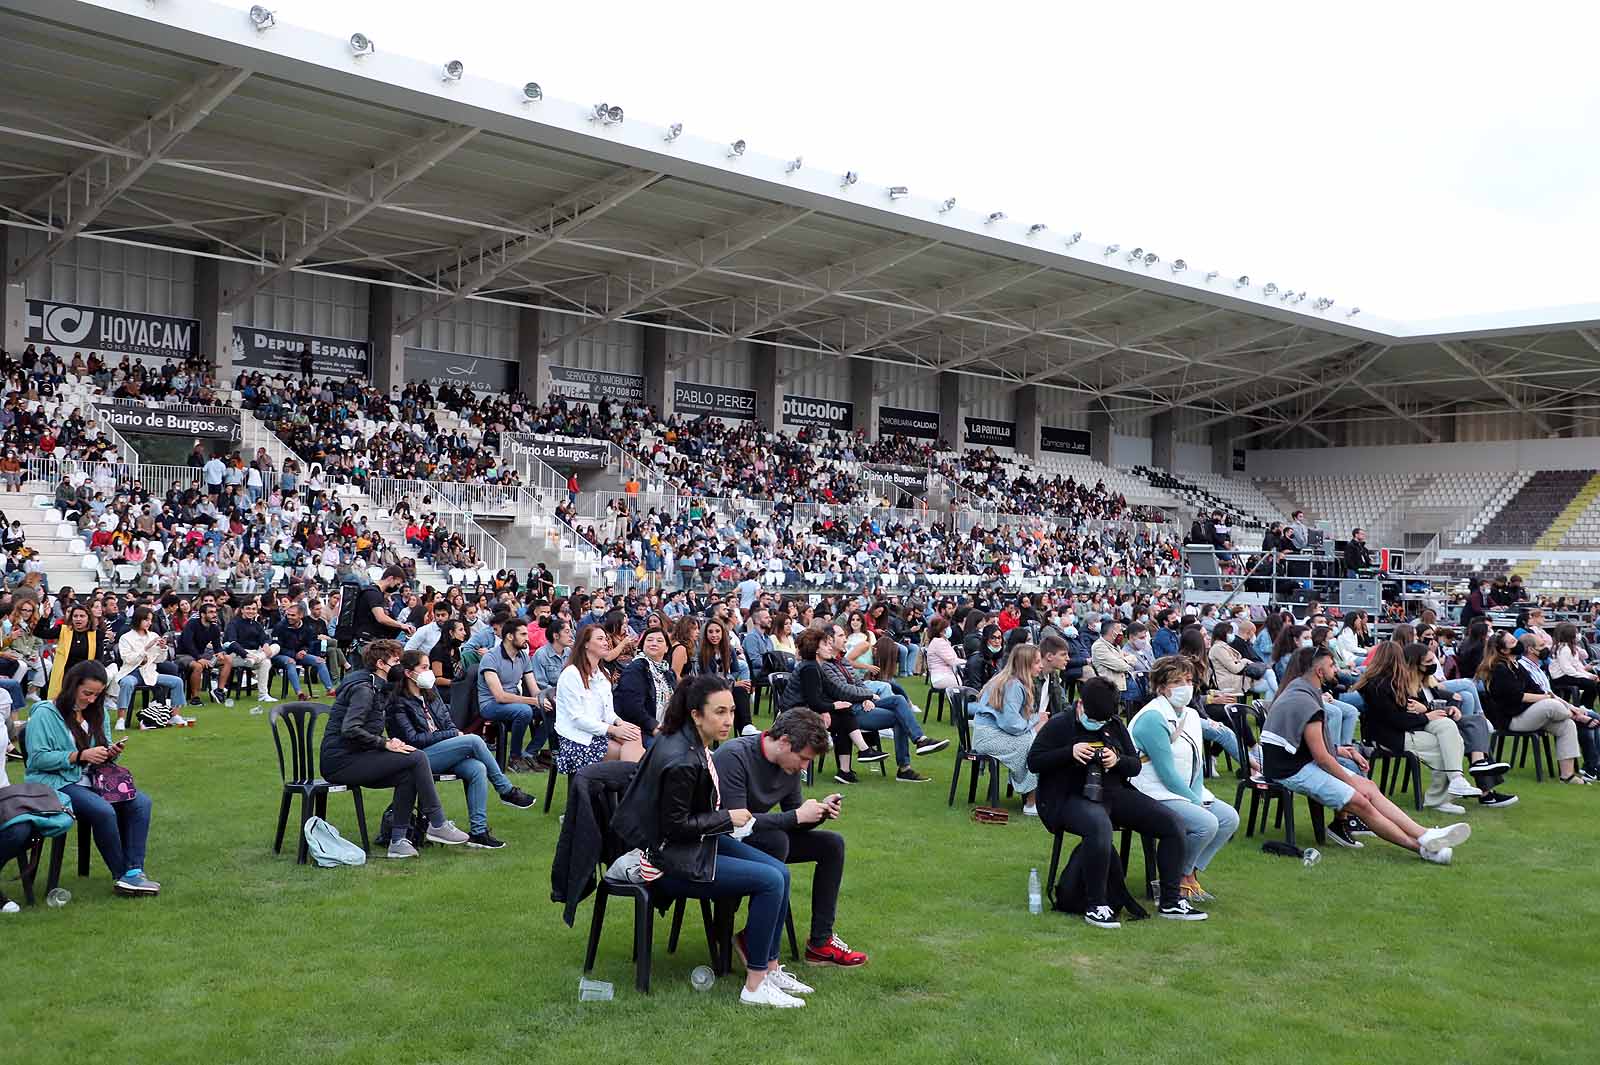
(306, 303)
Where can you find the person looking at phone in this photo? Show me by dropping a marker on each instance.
(1086, 763)
(762, 772)
(141, 652)
(67, 737)
(674, 816)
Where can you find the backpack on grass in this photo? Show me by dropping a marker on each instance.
(328, 848)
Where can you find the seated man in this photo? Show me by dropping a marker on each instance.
(880, 710)
(247, 639)
(503, 696)
(1295, 754)
(200, 646)
(759, 772)
(299, 642)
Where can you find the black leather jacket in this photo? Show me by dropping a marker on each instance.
(670, 808)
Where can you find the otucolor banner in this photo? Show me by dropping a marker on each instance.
(76, 327)
(819, 413)
(279, 352)
(898, 421)
(717, 400)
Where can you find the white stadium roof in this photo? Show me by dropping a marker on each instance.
(179, 123)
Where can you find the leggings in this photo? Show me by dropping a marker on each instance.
(409, 775)
(1125, 807)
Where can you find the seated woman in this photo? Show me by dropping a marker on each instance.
(1208, 701)
(588, 726)
(1469, 721)
(645, 688)
(1397, 717)
(64, 736)
(670, 815)
(141, 652)
(1519, 698)
(719, 654)
(812, 687)
(1171, 746)
(1085, 762)
(1230, 671)
(984, 662)
(944, 664)
(1570, 667)
(1005, 720)
(354, 751)
(445, 656)
(1290, 639)
(417, 716)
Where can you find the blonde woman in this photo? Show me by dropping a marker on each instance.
(1005, 720)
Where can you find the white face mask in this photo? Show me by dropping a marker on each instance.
(426, 679)
(1181, 694)
(1306, 642)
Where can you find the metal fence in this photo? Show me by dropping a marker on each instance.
(388, 492)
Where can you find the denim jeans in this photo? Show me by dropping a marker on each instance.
(1339, 719)
(319, 668)
(1205, 829)
(120, 829)
(1222, 735)
(468, 757)
(172, 688)
(14, 840)
(741, 871)
(519, 716)
(287, 664)
(1467, 688)
(13, 689)
(892, 712)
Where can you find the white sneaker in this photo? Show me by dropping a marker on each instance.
(1449, 808)
(402, 848)
(1462, 788)
(120, 726)
(769, 994)
(787, 982)
(1443, 838)
(1030, 811)
(265, 698)
(750, 730)
(1438, 857)
(10, 907)
(448, 834)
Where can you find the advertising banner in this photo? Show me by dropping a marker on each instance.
(477, 372)
(591, 386)
(1064, 441)
(562, 451)
(209, 422)
(719, 401)
(991, 433)
(898, 421)
(75, 327)
(819, 413)
(273, 351)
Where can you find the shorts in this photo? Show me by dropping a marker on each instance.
(1314, 782)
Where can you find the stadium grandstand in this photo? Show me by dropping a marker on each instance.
(284, 313)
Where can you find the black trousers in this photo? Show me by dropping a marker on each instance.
(1587, 689)
(408, 774)
(810, 845)
(1124, 807)
(741, 710)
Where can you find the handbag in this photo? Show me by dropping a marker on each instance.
(111, 782)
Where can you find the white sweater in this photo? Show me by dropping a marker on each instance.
(582, 714)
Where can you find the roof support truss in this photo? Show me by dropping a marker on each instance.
(1463, 355)
(942, 301)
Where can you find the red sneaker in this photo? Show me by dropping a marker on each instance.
(835, 952)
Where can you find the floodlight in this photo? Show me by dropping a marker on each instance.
(794, 164)
(1211, 275)
(947, 206)
(1179, 266)
(1074, 239)
(532, 93)
(1111, 249)
(606, 114)
(1269, 289)
(361, 44)
(1151, 258)
(1135, 255)
(1323, 303)
(1352, 312)
(261, 18)
(1037, 228)
(848, 178)
(674, 131)
(1243, 282)
(453, 70)
(994, 216)
(736, 149)
(898, 192)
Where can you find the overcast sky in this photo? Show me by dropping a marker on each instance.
(1416, 159)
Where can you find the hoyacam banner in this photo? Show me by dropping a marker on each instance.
(719, 401)
(77, 327)
(819, 413)
(212, 424)
(278, 352)
(898, 421)
(477, 372)
(1064, 441)
(591, 386)
(992, 433)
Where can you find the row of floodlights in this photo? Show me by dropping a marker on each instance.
(606, 114)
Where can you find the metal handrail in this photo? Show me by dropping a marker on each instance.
(387, 491)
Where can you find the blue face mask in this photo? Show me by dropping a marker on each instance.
(1090, 723)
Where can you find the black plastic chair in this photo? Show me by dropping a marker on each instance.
(936, 703)
(299, 774)
(85, 833)
(966, 758)
(1402, 768)
(281, 675)
(1265, 793)
(30, 859)
(1544, 754)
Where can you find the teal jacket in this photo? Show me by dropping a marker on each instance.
(49, 745)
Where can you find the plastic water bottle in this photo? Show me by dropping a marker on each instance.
(1311, 857)
(702, 978)
(1035, 896)
(594, 990)
(58, 897)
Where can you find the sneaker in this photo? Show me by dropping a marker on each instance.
(1452, 808)
(1590, 775)
(928, 745)
(847, 776)
(750, 730)
(787, 982)
(1182, 911)
(1437, 857)
(1339, 832)
(136, 884)
(1101, 917)
(1359, 827)
(8, 906)
(911, 776)
(1030, 811)
(401, 847)
(195, 700)
(1495, 799)
(768, 993)
(1488, 768)
(218, 696)
(447, 833)
(265, 699)
(120, 726)
(518, 798)
(871, 754)
(1449, 836)
(1462, 789)
(484, 841)
(835, 952)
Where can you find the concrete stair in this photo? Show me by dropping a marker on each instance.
(60, 549)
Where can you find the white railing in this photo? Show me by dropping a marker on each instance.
(387, 492)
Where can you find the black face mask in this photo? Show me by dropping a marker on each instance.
(1430, 669)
